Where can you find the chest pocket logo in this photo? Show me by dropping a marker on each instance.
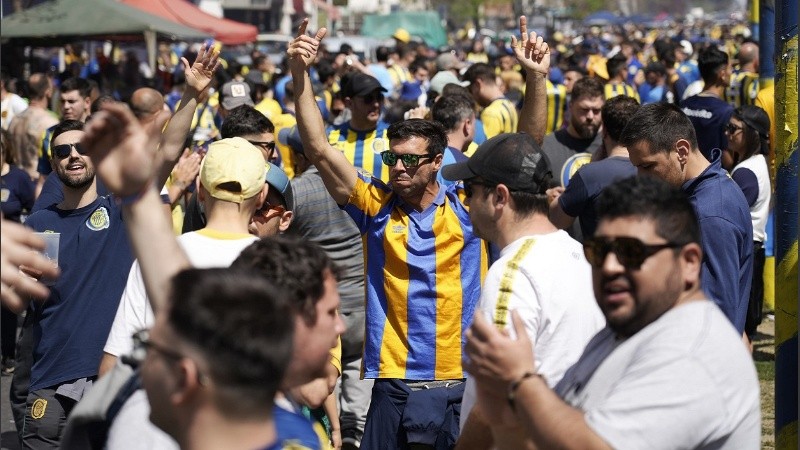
(99, 220)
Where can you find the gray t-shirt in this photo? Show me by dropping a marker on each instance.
(559, 146)
(684, 381)
(318, 218)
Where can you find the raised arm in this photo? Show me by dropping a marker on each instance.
(198, 77)
(336, 171)
(533, 55)
(126, 159)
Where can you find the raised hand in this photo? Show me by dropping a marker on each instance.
(303, 49)
(531, 51)
(20, 248)
(199, 74)
(123, 153)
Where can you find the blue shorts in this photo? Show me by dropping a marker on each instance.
(399, 415)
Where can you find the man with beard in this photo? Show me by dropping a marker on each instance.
(581, 136)
(67, 331)
(666, 349)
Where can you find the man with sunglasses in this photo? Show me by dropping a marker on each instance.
(661, 142)
(540, 273)
(63, 336)
(423, 261)
(668, 370)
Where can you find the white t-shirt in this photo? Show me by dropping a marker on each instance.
(205, 249)
(551, 288)
(760, 209)
(684, 381)
(10, 107)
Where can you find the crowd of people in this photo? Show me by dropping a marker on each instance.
(548, 243)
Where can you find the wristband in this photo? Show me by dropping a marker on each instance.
(511, 396)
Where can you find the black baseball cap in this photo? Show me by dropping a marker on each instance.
(512, 159)
(755, 117)
(360, 84)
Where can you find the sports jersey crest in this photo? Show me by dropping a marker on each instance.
(99, 219)
(572, 165)
(378, 145)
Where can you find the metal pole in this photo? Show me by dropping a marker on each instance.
(786, 218)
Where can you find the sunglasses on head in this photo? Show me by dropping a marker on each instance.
(62, 151)
(390, 159)
(630, 252)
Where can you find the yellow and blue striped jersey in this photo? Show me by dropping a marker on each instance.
(612, 90)
(742, 90)
(399, 75)
(423, 280)
(362, 148)
(556, 105)
(499, 117)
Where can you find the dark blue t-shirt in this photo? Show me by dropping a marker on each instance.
(17, 193)
(727, 240)
(586, 185)
(709, 115)
(70, 328)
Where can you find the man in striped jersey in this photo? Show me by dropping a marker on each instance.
(499, 115)
(541, 273)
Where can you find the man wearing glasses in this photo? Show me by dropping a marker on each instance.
(668, 370)
(661, 142)
(423, 261)
(540, 273)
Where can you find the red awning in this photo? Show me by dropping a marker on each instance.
(227, 31)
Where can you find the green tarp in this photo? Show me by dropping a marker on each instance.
(426, 25)
(83, 18)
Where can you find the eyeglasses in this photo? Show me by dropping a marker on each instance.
(732, 129)
(372, 98)
(390, 159)
(64, 150)
(142, 343)
(470, 184)
(268, 146)
(630, 252)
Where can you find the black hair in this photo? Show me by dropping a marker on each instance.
(616, 113)
(616, 64)
(243, 121)
(238, 322)
(81, 85)
(480, 71)
(295, 265)
(651, 198)
(432, 131)
(451, 110)
(710, 61)
(660, 125)
(63, 127)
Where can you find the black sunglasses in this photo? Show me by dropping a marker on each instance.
(630, 252)
(470, 184)
(390, 159)
(372, 98)
(142, 343)
(64, 150)
(268, 146)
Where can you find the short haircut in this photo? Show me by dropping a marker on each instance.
(38, 84)
(451, 110)
(295, 265)
(237, 321)
(710, 61)
(63, 127)
(77, 84)
(589, 87)
(382, 54)
(616, 113)
(480, 71)
(244, 121)
(616, 64)
(651, 198)
(432, 131)
(577, 69)
(528, 203)
(660, 125)
(419, 63)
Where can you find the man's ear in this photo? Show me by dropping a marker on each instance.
(502, 196)
(286, 221)
(691, 258)
(187, 382)
(683, 148)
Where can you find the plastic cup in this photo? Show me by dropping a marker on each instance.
(52, 242)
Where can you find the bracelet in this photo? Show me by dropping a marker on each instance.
(511, 396)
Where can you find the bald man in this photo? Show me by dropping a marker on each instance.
(743, 88)
(146, 103)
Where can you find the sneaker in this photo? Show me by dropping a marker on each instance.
(8, 366)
